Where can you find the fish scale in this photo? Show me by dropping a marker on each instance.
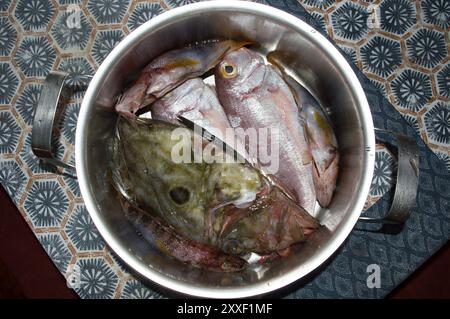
(260, 98)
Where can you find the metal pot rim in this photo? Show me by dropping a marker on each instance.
(295, 24)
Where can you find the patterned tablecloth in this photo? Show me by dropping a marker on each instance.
(401, 57)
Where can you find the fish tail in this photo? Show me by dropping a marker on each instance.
(325, 184)
(294, 223)
(299, 224)
(134, 96)
(306, 221)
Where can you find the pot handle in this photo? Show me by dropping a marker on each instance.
(44, 118)
(406, 186)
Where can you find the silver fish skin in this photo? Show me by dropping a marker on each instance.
(195, 101)
(254, 95)
(321, 139)
(170, 70)
(324, 147)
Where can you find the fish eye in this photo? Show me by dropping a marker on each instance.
(228, 70)
(232, 246)
(179, 195)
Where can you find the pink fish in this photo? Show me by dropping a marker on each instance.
(195, 101)
(320, 135)
(170, 70)
(254, 95)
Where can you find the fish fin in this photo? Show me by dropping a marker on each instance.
(286, 252)
(325, 184)
(274, 58)
(230, 45)
(236, 45)
(126, 114)
(279, 184)
(181, 63)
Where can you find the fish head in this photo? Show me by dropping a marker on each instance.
(176, 66)
(243, 70)
(272, 223)
(173, 191)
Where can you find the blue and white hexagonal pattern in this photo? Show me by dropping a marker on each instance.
(97, 279)
(4, 5)
(105, 42)
(118, 262)
(350, 53)
(445, 158)
(427, 47)
(134, 289)
(436, 12)
(412, 89)
(69, 2)
(320, 20)
(56, 248)
(72, 183)
(350, 21)
(384, 173)
(27, 156)
(13, 179)
(381, 56)
(9, 132)
(437, 123)
(82, 232)
(443, 79)
(37, 36)
(27, 102)
(379, 85)
(46, 203)
(8, 36)
(397, 16)
(319, 3)
(69, 122)
(35, 56)
(80, 72)
(71, 37)
(143, 12)
(108, 11)
(8, 82)
(179, 3)
(34, 15)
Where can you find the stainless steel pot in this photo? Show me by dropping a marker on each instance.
(310, 56)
